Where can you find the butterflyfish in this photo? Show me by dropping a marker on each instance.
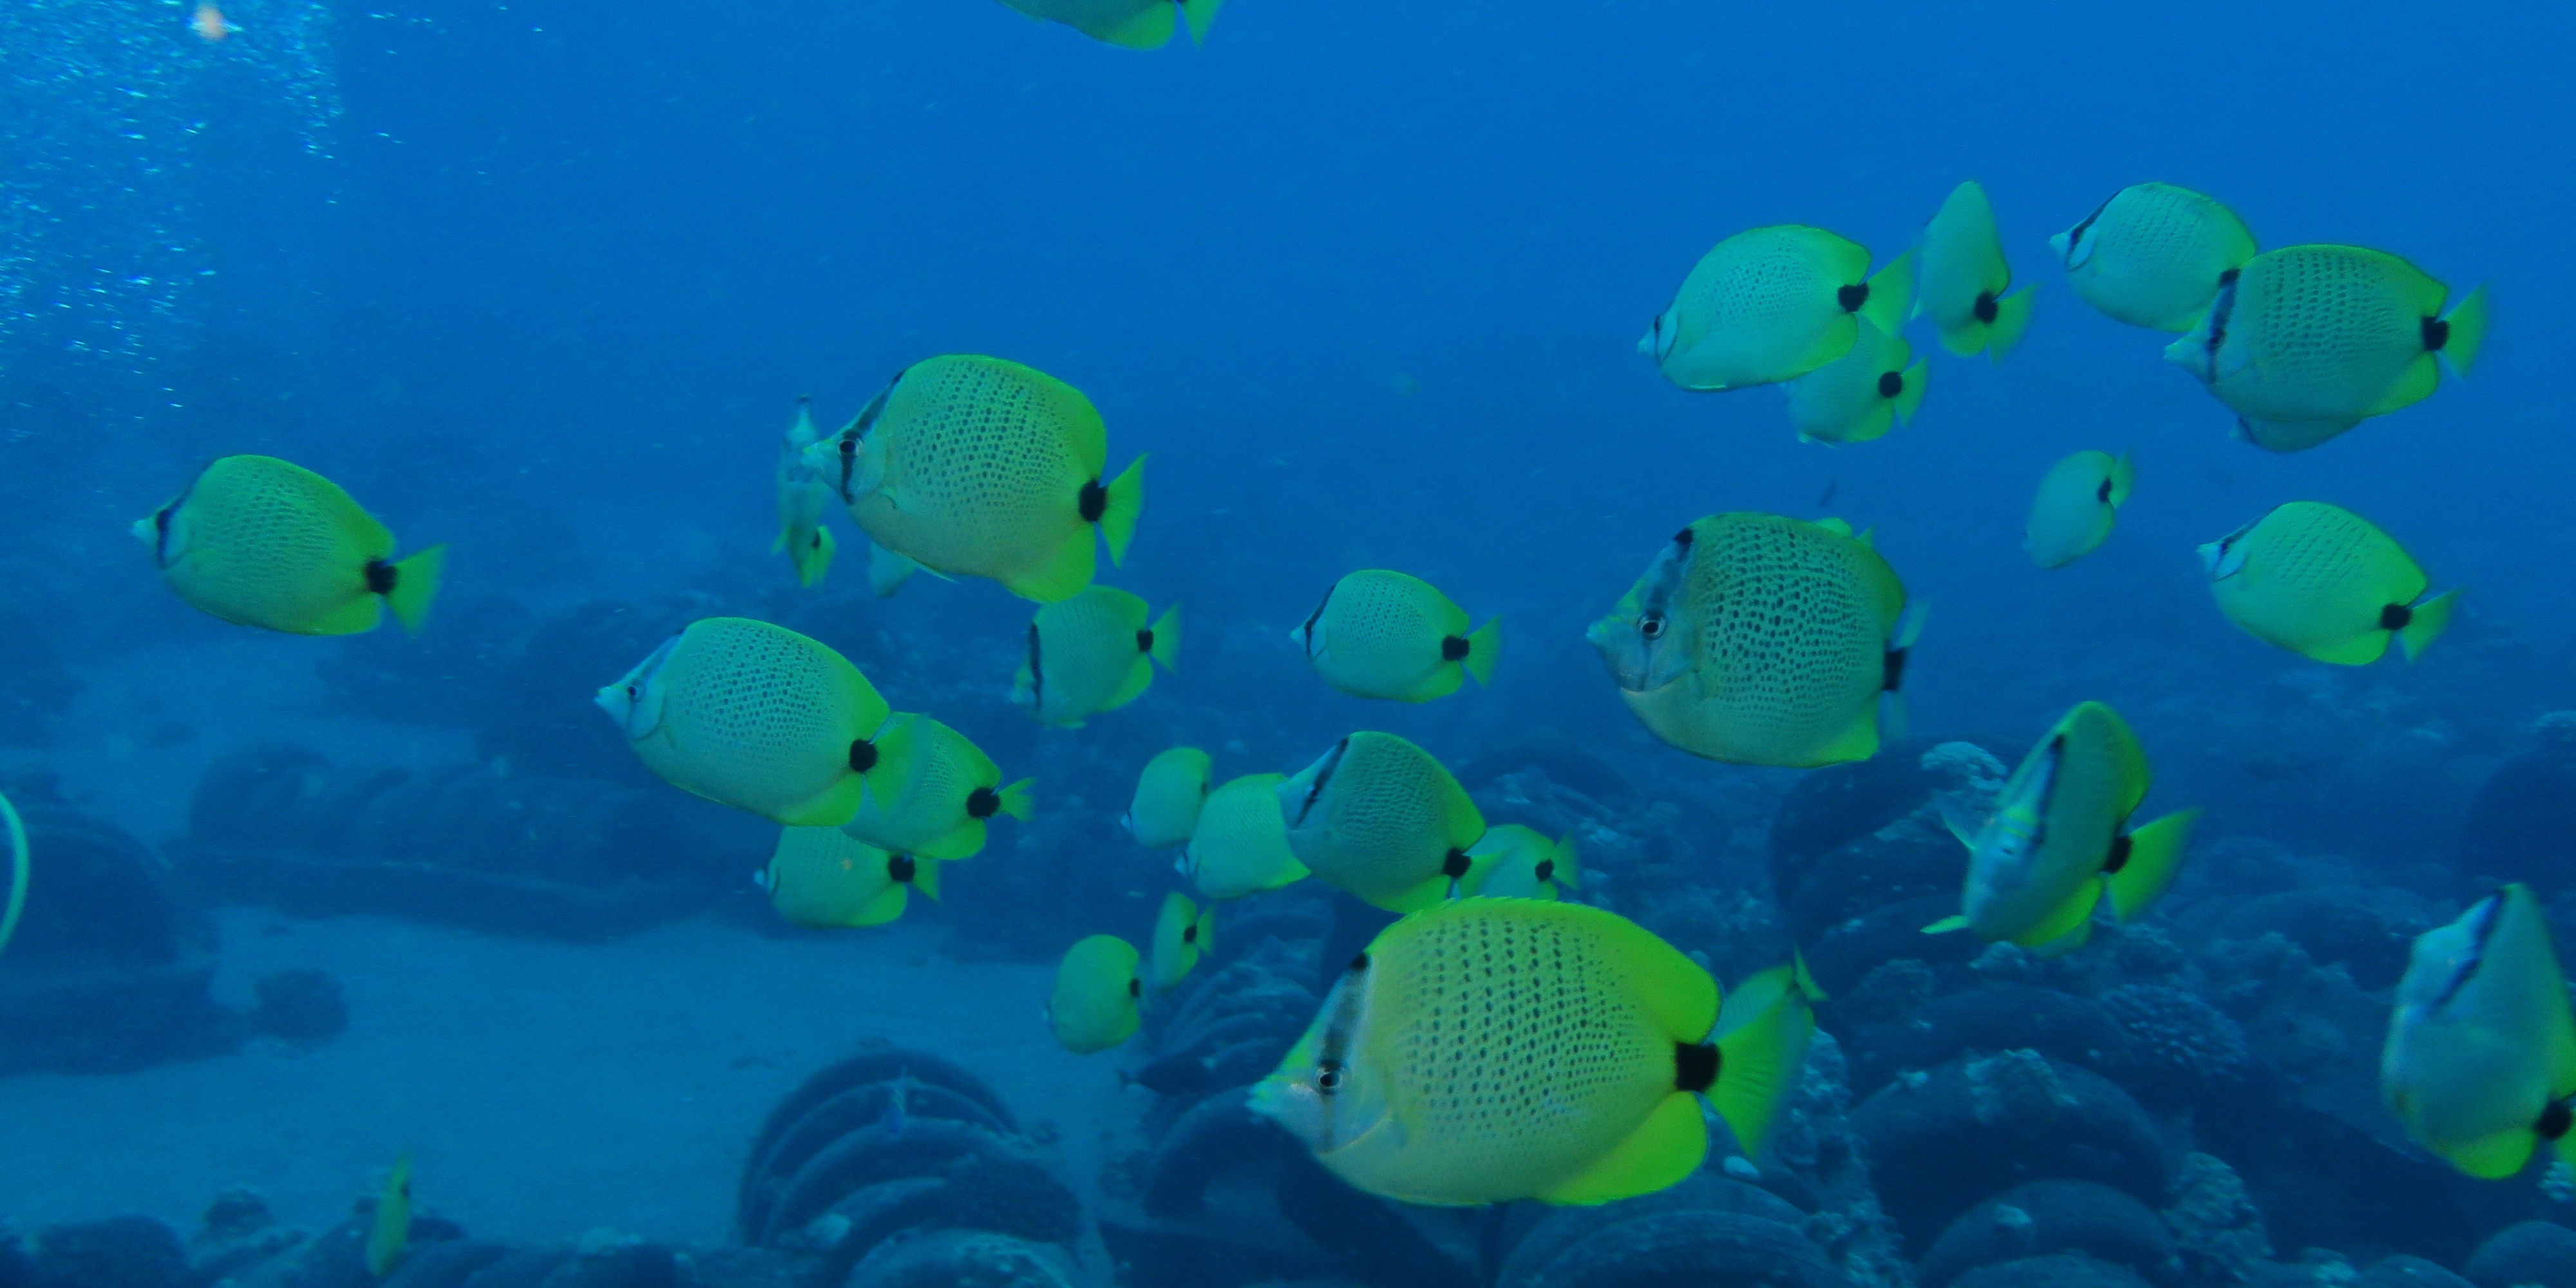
(2058, 842)
(755, 716)
(1240, 844)
(1135, 24)
(1862, 394)
(265, 543)
(1182, 933)
(1091, 653)
(2306, 342)
(941, 791)
(1170, 790)
(1761, 640)
(979, 467)
(2077, 502)
(1097, 988)
(803, 497)
(1516, 862)
(1966, 284)
(389, 1233)
(2154, 255)
(1379, 817)
(1485, 1050)
(821, 876)
(1382, 634)
(2480, 1062)
(1772, 304)
(2322, 581)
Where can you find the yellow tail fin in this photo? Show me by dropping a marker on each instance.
(1946, 925)
(1167, 636)
(1118, 513)
(2123, 480)
(2155, 854)
(1201, 15)
(19, 869)
(415, 584)
(925, 876)
(1484, 651)
(2427, 624)
(1015, 800)
(1569, 863)
(815, 560)
(1758, 1068)
(2012, 317)
(1909, 400)
(2468, 320)
(1891, 295)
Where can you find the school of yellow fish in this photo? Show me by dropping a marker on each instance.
(1750, 638)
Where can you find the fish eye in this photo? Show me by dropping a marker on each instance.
(630, 691)
(1651, 626)
(1328, 1076)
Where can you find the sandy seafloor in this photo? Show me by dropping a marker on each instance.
(542, 1089)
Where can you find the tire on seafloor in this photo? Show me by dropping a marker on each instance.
(878, 1160)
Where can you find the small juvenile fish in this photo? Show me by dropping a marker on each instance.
(265, 543)
(933, 800)
(1136, 24)
(1965, 278)
(2322, 581)
(2306, 342)
(758, 717)
(1862, 394)
(803, 496)
(2480, 1063)
(1182, 933)
(2078, 501)
(819, 876)
(2059, 840)
(1380, 818)
(1772, 304)
(1092, 653)
(1240, 845)
(1169, 793)
(1515, 862)
(1485, 1050)
(390, 1233)
(2154, 255)
(977, 467)
(1381, 634)
(1096, 990)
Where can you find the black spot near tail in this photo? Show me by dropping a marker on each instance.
(1095, 501)
(1546, 869)
(1891, 383)
(2394, 617)
(2555, 1120)
(901, 867)
(1453, 648)
(1455, 866)
(863, 756)
(1986, 310)
(1145, 641)
(1191, 935)
(2103, 493)
(380, 577)
(2436, 334)
(983, 802)
(1135, 987)
(2120, 847)
(1852, 297)
(1695, 1066)
(1893, 675)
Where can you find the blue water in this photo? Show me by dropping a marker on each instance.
(543, 281)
